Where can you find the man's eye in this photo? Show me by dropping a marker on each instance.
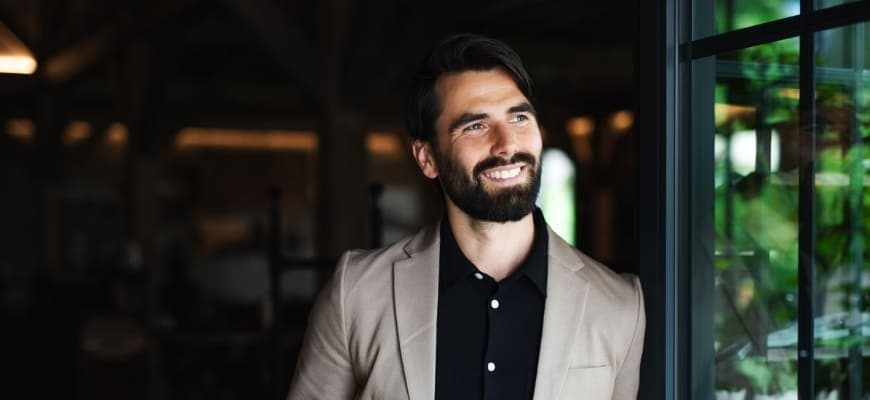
(475, 126)
(520, 118)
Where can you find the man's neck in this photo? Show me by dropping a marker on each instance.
(497, 249)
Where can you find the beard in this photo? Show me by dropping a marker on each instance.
(502, 205)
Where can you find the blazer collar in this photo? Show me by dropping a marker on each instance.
(415, 289)
(563, 313)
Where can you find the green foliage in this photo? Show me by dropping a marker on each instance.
(768, 377)
(744, 13)
(756, 218)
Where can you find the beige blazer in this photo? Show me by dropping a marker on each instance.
(371, 333)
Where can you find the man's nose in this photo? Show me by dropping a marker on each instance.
(504, 141)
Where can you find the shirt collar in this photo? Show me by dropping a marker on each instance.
(454, 265)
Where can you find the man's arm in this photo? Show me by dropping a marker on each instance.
(626, 384)
(323, 370)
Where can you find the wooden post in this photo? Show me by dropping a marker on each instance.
(343, 194)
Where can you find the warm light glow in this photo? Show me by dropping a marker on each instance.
(221, 231)
(116, 134)
(582, 148)
(76, 131)
(15, 58)
(383, 144)
(580, 126)
(23, 130)
(622, 120)
(790, 93)
(17, 64)
(237, 139)
(726, 112)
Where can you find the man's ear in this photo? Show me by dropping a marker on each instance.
(425, 157)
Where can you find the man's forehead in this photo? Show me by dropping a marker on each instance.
(476, 84)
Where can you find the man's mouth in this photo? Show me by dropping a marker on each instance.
(503, 174)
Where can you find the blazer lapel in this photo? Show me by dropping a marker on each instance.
(415, 290)
(563, 313)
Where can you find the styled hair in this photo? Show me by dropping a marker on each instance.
(457, 53)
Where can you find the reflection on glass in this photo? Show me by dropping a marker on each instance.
(755, 208)
(737, 14)
(842, 323)
(830, 3)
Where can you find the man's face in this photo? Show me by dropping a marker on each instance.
(488, 146)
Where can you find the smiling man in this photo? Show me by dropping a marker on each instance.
(489, 303)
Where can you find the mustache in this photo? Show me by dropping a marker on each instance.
(493, 162)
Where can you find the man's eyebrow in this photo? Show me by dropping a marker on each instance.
(466, 118)
(523, 107)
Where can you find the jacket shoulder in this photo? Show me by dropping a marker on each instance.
(361, 267)
(618, 292)
(358, 264)
(624, 286)
(618, 287)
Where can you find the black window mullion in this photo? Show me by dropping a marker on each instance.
(807, 21)
(806, 210)
(805, 26)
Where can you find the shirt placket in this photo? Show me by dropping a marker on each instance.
(493, 356)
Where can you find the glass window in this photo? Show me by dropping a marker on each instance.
(749, 280)
(830, 3)
(730, 15)
(778, 212)
(842, 271)
(747, 143)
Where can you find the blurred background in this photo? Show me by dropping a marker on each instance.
(179, 176)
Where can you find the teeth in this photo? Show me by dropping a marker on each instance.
(505, 174)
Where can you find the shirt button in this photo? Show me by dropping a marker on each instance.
(494, 304)
(478, 275)
(490, 366)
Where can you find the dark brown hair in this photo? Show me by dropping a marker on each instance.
(457, 53)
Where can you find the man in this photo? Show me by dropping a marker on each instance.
(488, 303)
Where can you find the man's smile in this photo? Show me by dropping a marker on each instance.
(505, 174)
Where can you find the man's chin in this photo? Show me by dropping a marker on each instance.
(505, 215)
(501, 190)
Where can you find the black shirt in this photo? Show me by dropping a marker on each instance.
(488, 332)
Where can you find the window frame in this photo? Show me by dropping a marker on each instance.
(667, 51)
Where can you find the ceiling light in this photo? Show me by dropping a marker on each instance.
(383, 143)
(76, 132)
(116, 134)
(622, 120)
(23, 130)
(239, 139)
(580, 126)
(15, 58)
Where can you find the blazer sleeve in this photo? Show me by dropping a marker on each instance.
(626, 384)
(323, 369)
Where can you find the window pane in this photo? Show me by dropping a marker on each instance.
(745, 271)
(842, 218)
(721, 16)
(830, 3)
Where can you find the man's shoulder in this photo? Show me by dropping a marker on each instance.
(362, 263)
(621, 288)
